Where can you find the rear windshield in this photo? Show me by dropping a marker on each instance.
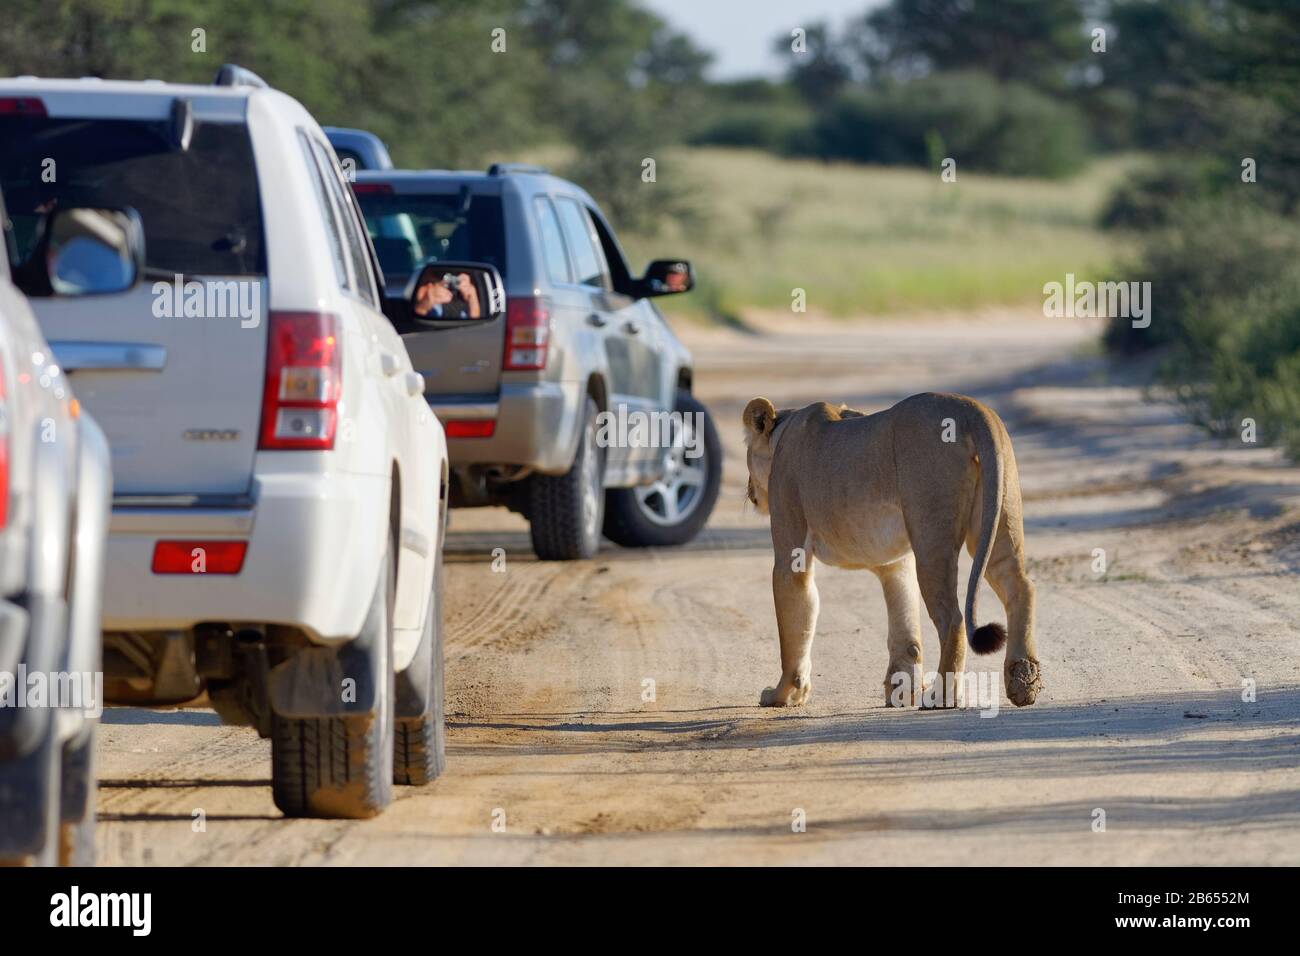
(200, 207)
(410, 229)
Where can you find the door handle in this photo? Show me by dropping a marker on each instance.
(128, 356)
(597, 320)
(389, 364)
(632, 328)
(414, 382)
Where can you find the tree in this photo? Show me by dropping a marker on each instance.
(818, 67)
(1035, 41)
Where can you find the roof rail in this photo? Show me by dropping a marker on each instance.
(501, 169)
(232, 75)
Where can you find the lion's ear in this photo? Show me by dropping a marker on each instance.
(759, 417)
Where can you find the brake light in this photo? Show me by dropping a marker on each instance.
(528, 331)
(372, 189)
(199, 557)
(21, 106)
(477, 428)
(4, 454)
(304, 379)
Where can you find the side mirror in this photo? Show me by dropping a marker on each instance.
(452, 294)
(93, 251)
(666, 277)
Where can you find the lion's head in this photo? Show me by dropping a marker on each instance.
(760, 418)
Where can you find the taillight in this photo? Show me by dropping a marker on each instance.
(372, 189)
(4, 453)
(199, 557)
(470, 428)
(304, 379)
(21, 106)
(528, 331)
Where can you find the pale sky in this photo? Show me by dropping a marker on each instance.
(739, 32)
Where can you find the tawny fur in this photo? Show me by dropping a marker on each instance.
(896, 493)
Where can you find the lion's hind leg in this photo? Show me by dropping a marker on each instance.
(1006, 575)
(936, 549)
(1022, 674)
(903, 677)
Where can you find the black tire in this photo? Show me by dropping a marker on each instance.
(420, 734)
(77, 804)
(342, 767)
(633, 516)
(565, 521)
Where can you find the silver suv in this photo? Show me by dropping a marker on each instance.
(570, 401)
(55, 487)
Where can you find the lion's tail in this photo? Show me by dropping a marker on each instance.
(987, 638)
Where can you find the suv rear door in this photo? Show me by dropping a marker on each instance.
(411, 223)
(172, 370)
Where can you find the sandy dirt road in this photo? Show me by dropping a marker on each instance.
(1142, 714)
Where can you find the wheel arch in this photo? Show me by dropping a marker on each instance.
(395, 517)
(597, 391)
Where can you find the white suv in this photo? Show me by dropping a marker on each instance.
(279, 480)
(55, 486)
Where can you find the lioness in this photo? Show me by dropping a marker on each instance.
(897, 493)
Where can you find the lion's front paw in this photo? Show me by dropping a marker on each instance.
(1024, 680)
(785, 695)
(904, 687)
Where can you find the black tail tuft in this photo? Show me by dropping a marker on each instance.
(988, 638)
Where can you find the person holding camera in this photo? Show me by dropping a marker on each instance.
(450, 296)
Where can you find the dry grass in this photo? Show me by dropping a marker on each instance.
(873, 240)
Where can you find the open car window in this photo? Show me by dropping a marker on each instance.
(411, 229)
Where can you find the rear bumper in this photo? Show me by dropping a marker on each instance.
(314, 547)
(536, 426)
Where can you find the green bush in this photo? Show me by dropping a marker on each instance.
(785, 129)
(1254, 371)
(1225, 305)
(1147, 200)
(984, 124)
(1209, 259)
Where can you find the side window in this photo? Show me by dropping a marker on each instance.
(618, 270)
(581, 240)
(328, 217)
(354, 240)
(557, 263)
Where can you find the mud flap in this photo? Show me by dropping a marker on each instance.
(339, 681)
(414, 685)
(326, 682)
